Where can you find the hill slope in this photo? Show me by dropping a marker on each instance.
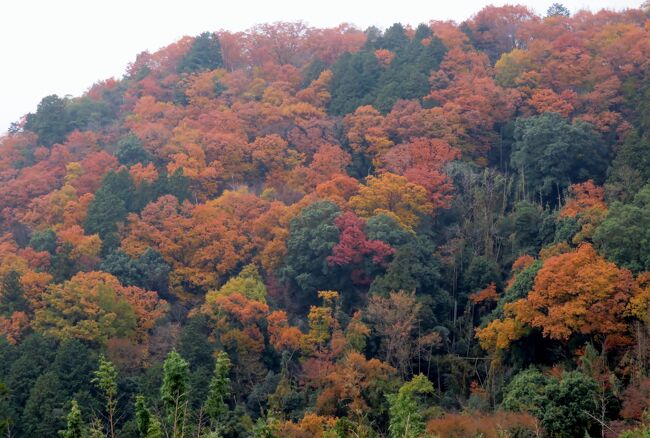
(336, 232)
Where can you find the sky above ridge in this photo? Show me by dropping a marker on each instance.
(64, 46)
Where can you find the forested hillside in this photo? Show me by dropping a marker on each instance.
(431, 231)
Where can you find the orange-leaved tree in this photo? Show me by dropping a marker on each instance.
(395, 196)
(575, 293)
(422, 162)
(94, 306)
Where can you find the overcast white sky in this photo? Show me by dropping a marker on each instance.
(64, 46)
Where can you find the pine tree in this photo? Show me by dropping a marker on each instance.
(106, 381)
(557, 10)
(205, 54)
(142, 416)
(74, 428)
(111, 204)
(215, 405)
(131, 151)
(174, 392)
(155, 430)
(11, 294)
(51, 121)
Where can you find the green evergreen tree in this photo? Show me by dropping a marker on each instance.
(354, 81)
(572, 407)
(215, 405)
(205, 54)
(550, 153)
(89, 114)
(50, 122)
(194, 344)
(106, 381)
(405, 408)
(313, 71)
(29, 360)
(42, 415)
(393, 39)
(175, 392)
(630, 168)
(564, 407)
(531, 227)
(624, 236)
(359, 79)
(75, 426)
(407, 76)
(312, 235)
(150, 271)
(413, 268)
(44, 241)
(387, 229)
(73, 363)
(153, 271)
(111, 204)
(130, 151)
(155, 429)
(557, 10)
(175, 184)
(123, 267)
(63, 266)
(142, 416)
(11, 295)
(527, 393)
